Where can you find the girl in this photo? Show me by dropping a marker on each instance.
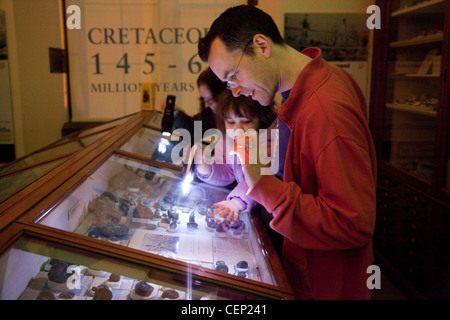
(233, 115)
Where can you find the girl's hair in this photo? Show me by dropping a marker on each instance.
(243, 106)
(208, 78)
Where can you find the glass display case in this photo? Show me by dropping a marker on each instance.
(46, 155)
(155, 120)
(11, 182)
(109, 198)
(18, 173)
(37, 269)
(65, 146)
(150, 143)
(161, 211)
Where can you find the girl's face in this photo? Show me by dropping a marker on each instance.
(235, 122)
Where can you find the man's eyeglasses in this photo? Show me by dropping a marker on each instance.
(231, 84)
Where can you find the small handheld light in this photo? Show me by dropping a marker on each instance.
(168, 118)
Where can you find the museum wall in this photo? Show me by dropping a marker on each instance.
(38, 98)
(39, 108)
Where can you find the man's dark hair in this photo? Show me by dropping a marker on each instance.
(236, 27)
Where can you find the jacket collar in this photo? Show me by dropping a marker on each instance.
(310, 78)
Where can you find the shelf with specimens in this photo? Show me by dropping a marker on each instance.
(409, 119)
(35, 269)
(413, 93)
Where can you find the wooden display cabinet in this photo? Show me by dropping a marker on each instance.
(409, 118)
(127, 170)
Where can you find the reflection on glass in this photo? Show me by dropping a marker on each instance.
(44, 155)
(152, 144)
(148, 208)
(104, 126)
(66, 145)
(14, 182)
(413, 82)
(155, 120)
(410, 143)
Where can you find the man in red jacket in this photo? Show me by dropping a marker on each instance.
(325, 205)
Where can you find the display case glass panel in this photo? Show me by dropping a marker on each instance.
(69, 144)
(12, 182)
(413, 85)
(95, 129)
(40, 156)
(155, 120)
(102, 127)
(53, 151)
(152, 144)
(155, 210)
(34, 269)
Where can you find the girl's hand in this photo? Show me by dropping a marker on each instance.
(228, 207)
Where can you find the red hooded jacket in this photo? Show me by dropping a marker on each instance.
(325, 207)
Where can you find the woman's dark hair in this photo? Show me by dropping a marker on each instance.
(215, 85)
(243, 106)
(236, 27)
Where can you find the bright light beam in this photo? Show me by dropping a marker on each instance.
(189, 175)
(162, 145)
(187, 182)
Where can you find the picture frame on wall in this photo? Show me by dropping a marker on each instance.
(343, 39)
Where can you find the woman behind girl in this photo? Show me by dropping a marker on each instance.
(233, 115)
(209, 87)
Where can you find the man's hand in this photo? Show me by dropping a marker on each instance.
(246, 148)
